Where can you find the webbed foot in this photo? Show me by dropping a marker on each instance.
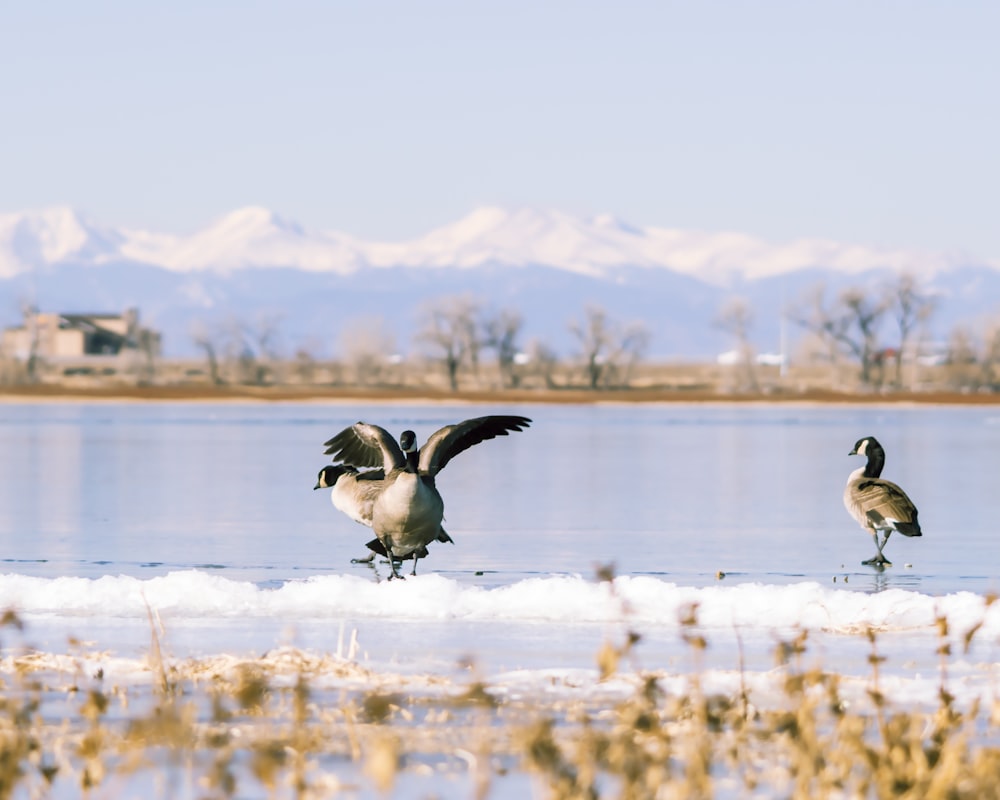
(394, 566)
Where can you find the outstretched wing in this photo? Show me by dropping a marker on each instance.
(445, 444)
(364, 445)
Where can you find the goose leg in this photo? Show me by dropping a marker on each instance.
(879, 559)
(885, 538)
(394, 564)
(416, 558)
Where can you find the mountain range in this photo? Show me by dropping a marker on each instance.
(548, 265)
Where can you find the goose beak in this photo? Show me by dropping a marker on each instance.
(317, 486)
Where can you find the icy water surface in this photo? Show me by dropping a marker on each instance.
(677, 492)
(216, 501)
(203, 518)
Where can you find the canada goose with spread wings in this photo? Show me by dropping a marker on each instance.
(399, 500)
(877, 504)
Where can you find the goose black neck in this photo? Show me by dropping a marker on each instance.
(876, 460)
(412, 460)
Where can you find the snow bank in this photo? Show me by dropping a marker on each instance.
(556, 599)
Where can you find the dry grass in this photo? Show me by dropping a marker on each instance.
(293, 724)
(205, 393)
(678, 381)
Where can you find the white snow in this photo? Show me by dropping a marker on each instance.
(246, 238)
(49, 236)
(598, 246)
(535, 637)
(197, 607)
(967, 682)
(558, 599)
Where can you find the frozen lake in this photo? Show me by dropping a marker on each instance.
(205, 514)
(675, 493)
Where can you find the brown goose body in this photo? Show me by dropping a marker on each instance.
(355, 494)
(877, 504)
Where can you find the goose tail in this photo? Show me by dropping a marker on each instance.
(909, 528)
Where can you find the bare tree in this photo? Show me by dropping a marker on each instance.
(147, 344)
(850, 327)
(864, 314)
(250, 347)
(260, 353)
(609, 351)
(32, 361)
(244, 350)
(911, 309)
(207, 339)
(237, 354)
(367, 345)
(542, 362)
(633, 343)
(974, 358)
(990, 358)
(735, 318)
(448, 327)
(500, 332)
(963, 359)
(304, 367)
(138, 358)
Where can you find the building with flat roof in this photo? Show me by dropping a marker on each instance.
(59, 337)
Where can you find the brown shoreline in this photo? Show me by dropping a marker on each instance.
(194, 393)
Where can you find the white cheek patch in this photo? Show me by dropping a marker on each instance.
(863, 449)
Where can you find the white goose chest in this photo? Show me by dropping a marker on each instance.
(408, 513)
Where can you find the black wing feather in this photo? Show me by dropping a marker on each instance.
(451, 440)
(364, 445)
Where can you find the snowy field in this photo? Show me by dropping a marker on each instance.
(146, 543)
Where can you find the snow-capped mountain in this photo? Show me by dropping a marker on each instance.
(597, 246)
(249, 237)
(547, 264)
(601, 245)
(52, 236)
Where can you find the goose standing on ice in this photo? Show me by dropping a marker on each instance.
(877, 504)
(400, 501)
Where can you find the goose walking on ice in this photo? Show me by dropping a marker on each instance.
(878, 505)
(400, 501)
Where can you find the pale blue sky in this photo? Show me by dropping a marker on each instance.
(870, 122)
